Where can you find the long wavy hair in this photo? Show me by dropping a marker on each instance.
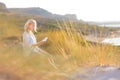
(28, 22)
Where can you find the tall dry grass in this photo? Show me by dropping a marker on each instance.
(69, 49)
(70, 43)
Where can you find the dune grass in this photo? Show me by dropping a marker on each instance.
(68, 48)
(70, 43)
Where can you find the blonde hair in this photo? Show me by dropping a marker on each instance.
(29, 21)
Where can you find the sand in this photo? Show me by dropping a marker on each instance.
(98, 73)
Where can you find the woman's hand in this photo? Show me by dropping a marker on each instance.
(40, 43)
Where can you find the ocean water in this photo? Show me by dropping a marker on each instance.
(110, 25)
(112, 41)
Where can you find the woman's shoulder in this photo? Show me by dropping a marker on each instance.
(25, 33)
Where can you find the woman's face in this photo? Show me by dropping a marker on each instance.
(31, 26)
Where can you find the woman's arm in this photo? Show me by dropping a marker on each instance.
(38, 43)
(41, 42)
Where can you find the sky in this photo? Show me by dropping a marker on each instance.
(87, 10)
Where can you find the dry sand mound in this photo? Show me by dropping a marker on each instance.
(9, 76)
(98, 73)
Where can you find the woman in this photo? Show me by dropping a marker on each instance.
(30, 44)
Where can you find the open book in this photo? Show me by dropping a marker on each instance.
(45, 39)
